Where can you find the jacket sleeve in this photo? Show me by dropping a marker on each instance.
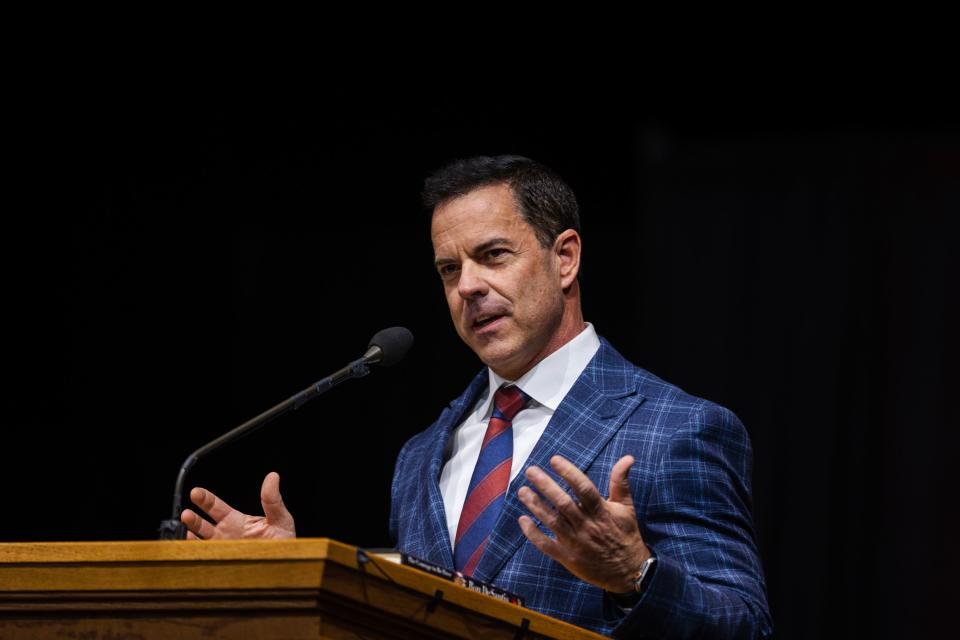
(394, 526)
(707, 582)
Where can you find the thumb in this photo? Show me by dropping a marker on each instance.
(620, 481)
(273, 507)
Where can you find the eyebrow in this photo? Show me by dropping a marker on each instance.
(480, 248)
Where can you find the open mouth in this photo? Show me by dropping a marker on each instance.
(485, 321)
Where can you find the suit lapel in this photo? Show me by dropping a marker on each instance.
(590, 414)
(435, 532)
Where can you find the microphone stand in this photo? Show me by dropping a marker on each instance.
(173, 528)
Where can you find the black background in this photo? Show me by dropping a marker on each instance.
(174, 265)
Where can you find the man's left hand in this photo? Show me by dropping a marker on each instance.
(597, 540)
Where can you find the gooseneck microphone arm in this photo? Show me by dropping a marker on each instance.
(386, 348)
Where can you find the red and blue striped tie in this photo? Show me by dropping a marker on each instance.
(488, 485)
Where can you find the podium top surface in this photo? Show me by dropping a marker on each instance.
(312, 568)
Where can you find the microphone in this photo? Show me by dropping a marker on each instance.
(389, 346)
(386, 348)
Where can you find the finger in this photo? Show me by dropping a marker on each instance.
(559, 498)
(544, 512)
(200, 527)
(273, 506)
(587, 493)
(191, 535)
(620, 481)
(210, 504)
(540, 540)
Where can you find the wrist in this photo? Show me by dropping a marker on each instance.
(627, 584)
(636, 582)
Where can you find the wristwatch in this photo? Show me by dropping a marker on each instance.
(629, 599)
(643, 572)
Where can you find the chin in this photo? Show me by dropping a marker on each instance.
(500, 362)
(497, 352)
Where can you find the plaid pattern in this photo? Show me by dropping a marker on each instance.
(691, 489)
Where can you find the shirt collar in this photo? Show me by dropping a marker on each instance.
(548, 382)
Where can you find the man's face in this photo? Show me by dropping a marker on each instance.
(503, 288)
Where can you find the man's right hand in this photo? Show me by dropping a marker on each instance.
(231, 524)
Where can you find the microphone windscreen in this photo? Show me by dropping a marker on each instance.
(394, 343)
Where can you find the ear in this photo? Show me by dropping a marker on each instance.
(567, 249)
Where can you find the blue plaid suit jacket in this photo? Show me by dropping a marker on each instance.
(690, 485)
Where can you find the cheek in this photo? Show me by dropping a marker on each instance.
(539, 300)
(454, 302)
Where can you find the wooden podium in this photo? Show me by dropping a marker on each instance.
(289, 589)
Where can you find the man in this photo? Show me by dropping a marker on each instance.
(506, 485)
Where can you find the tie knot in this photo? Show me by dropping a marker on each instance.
(509, 401)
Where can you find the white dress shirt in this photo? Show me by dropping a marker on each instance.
(547, 384)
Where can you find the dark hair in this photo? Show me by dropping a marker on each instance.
(544, 200)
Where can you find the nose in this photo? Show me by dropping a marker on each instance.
(471, 283)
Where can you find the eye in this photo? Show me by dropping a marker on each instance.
(447, 270)
(493, 254)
